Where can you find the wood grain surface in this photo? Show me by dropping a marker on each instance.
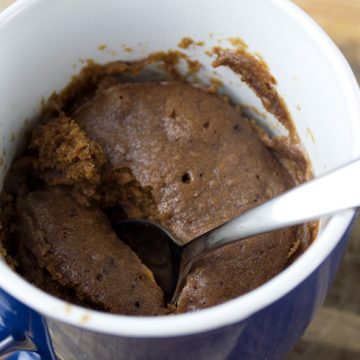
(334, 334)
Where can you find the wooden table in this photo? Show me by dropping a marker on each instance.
(335, 332)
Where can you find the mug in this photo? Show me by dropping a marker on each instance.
(43, 43)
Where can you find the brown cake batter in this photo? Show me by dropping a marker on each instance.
(165, 151)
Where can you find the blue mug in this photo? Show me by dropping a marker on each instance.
(268, 334)
(42, 44)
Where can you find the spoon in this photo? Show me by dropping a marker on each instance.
(170, 260)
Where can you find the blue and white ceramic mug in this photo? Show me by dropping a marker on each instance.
(41, 43)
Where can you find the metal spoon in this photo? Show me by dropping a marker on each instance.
(171, 261)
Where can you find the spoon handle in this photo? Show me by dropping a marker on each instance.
(335, 191)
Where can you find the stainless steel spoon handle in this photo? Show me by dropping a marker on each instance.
(335, 191)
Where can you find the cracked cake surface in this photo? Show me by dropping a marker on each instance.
(165, 151)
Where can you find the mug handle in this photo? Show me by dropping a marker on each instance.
(23, 332)
(12, 347)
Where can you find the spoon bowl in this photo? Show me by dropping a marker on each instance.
(157, 248)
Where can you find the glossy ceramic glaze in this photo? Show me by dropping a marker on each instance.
(43, 43)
